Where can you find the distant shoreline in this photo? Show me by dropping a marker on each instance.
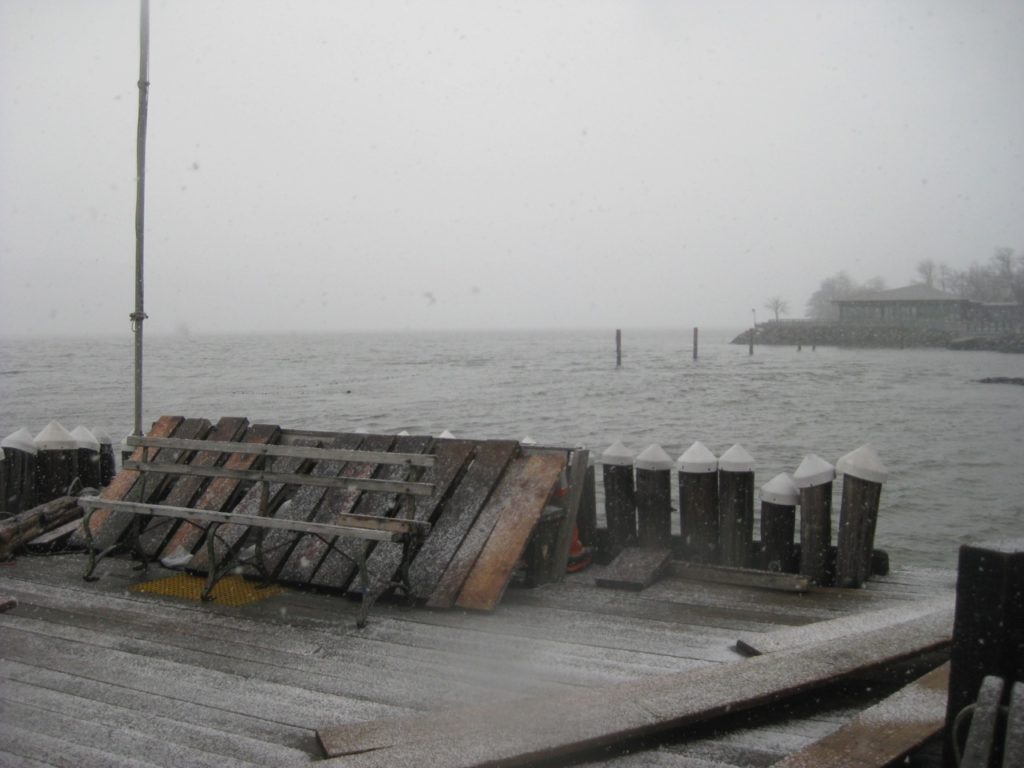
(795, 333)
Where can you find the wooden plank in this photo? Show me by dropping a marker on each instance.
(755, 644)
(229, 536)
(296, 449)
(884, 733)
(124, 481)
(458, 515)
(558, 727)
(635, 568)
(219, 493)
(310, 550)
(528, 492)
(187, 489)
(336, 571)
(384, 562)
(53, 539)
(577, 480)
(278, 545)
(504, 501)
(746, 577)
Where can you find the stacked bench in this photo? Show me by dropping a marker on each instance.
(444, 520)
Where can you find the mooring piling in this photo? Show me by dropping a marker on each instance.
(695, 343)
(779, 497)
(988, 624)
(814, 478)
(20, 454)
(56, 462)
(863, 475)
(108, 464)
(619, 496)
(654, 497)
(586, 518)
(736, 506)
(87, 457)
(618, 348)
(698, 503)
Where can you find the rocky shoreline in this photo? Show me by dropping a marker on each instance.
(795, 333)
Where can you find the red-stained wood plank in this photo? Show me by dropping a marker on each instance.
(337, 570)
(503, 501)
(451, 457)
(525, 489)
(120, 487)
(219, 493)
(310, 550)
(458, 515)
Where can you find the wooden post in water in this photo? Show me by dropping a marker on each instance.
(779, 497)
(654, 497)
(87, 457)
(988, 627)
(586, 518)
(814, 478)
(698, 503)
(56, 462)
(619, 497)
(618, 348)
(694, 343)
(19, 455)
(863, 475)
(736, 506)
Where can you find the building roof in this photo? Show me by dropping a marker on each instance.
(915, 292)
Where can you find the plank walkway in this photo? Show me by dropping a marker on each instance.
(198, 684)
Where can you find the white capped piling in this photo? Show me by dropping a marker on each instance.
(108, 465)
(694, 343)
(654, 497)
(618, 348)
(56, 462)
(698, 503)
(446, 435)
(814, 478)
(619, 497)
(863, 476)
(19, 455)
(87, 457)
(736, 506)
(779, 497)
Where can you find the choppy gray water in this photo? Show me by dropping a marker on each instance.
(954, 448)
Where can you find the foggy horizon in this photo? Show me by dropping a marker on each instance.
(326, 167)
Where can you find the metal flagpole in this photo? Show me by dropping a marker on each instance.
(138, 316)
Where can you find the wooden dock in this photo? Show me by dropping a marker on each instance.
(99, 675)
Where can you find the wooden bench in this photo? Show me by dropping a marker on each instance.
(410, 533)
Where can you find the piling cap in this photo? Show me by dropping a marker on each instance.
(403, 433)
(863, 463)
(736, 459)
(618, 455)
(653, 457)
(102, 437)
(21, 440)
(813, 470)
(527, 440)
(697, 459)
(55, 438)
(446, 435)
(781, 490)
(85, 439)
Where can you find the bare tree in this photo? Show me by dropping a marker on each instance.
(778, 306)
(927, 269)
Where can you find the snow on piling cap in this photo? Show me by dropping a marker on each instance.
(527, 440)
(653, 457)
(21, 440)
(446, 435)
(55, 438)
(617, 455)
(813, 470)
(697, 459)
(781, 490)
(736, 459)
(84, 439)
(863, 463)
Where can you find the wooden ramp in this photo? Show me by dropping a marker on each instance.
(487, 501)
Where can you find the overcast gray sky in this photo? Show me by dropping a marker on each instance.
(349, 166)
